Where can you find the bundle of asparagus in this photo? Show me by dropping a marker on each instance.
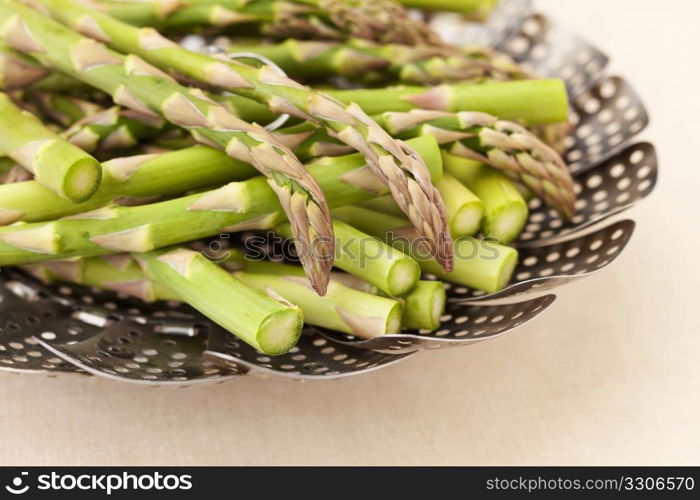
(396, 181)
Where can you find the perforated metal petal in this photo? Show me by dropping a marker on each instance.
(461, 324)
(503, 23)
(541, 269)
(602, 192)
(314, 357)
(606, 118)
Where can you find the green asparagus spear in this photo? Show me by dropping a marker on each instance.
(505, 210)
(371, 260)
(424, 306)
(271, 326)
(480, 264)
(56, 164)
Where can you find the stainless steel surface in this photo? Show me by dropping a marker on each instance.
(71, 329)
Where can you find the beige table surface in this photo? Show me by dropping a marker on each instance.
(609, 375)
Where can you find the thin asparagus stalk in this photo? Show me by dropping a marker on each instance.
(380, 20)
(236, 260)
(57, 164)
(424, 306)
(391, 160)
(237, 206)
(366, 61)
(342, 309)
(113, 128)
(504, 145)
(475, 9)
(130, 180)
(269, 325)
(136, 84)
(369, 259)
(505, 209)
(464, 209)
(120, 273)
(480, 264)
(66, 110)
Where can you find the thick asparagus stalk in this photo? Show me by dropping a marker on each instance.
(505, 209)
(424, 306)
(480, 264)
(271, 326)
(343, 309)
(380, 20)
(238, 206)
(136, 84)
(531, 102)
(56, 164)
(391, 160)
(464, 209)
(120, 273)
(127, 181)
(369, 62)
(371, 260)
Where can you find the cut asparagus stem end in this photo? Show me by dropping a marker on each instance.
(507, 225)
(82, 180)
(424, 306)
(393, 322)
(403, 277)
(274, 338)
(467, 220)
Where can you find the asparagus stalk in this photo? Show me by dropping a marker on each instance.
(130, 180)
(480, 264)
(237, 206)
(342, 309)
(57, 164)
(236, 260)
(380, 20)
(385, 205)
(120, 273)
(464, 209)
(394, 163)
(269, 325)
(371, 260)
(424, 306)
(476, 9)
(18, 71)
(369, 62)
(113, 128)
(66, 110)
(531, 102)
(505, 209)
(136, 84)
(504, 145)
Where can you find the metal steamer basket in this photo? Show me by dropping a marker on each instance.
(65, 328)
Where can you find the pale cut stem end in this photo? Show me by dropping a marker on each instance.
(82, 180)
(507, 224)
(403, 277)
(467, 221)
(280, 332)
